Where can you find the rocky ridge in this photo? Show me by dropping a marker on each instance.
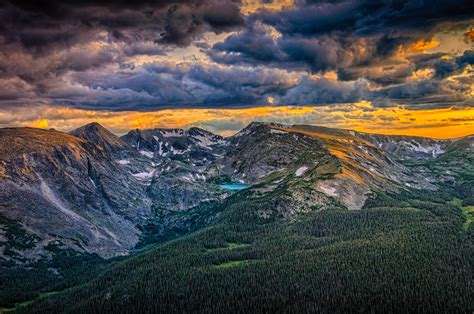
(95, 192)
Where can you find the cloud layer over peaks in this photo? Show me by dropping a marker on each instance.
(149, 55)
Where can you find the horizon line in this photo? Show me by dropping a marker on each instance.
(252, 122)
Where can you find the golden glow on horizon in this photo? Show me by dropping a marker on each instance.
(362, 116)
(41, 123)
(436, 123)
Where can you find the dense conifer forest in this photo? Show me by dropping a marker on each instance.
(402, 251)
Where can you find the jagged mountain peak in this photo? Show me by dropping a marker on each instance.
(97, 134)
(93, 128)
(175, 132)
(199, 131)
(168, 142)
(256, 127)
(93, 124)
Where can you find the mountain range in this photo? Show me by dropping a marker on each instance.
(90, 195)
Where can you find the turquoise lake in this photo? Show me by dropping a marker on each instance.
(234, 186)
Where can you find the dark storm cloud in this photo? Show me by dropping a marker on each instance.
(84, 53)
(166, 85)
(256, 46)
(323, 91)
(42, 25)
(360, 41)
(466, 59)
(324, 35)
(427, 93)
(144, 48)
(43, 43)
(253, 45)
(35, 69)
(388, 75)
(161, 85)
(443, 64)
(368, 17)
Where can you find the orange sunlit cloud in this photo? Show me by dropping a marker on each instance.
(415, 48)
(469, 35)
(251, 6)
(423, 45)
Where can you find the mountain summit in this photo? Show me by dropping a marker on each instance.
(97, 134)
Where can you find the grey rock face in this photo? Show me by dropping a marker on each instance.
(181, 164)
(261, 149)
(64, 189)
(408, 148)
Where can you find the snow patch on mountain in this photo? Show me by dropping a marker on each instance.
(273, 131)
(146, 153)
(434, 150)
(300, 171)
(178, 151)
(144, 176)
(160, 148)
(208, 140)
(192, 177)
(172, 133)
(328, 190)
(204, 141)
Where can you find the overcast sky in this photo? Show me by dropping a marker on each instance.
(389, 66)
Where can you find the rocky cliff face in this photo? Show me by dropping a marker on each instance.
(65, 190)
(94, 192)
(180, 164)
